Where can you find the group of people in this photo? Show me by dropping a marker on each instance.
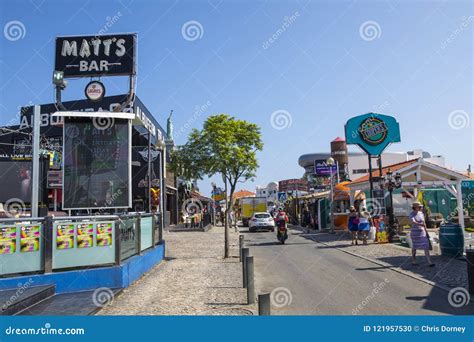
(361, 222)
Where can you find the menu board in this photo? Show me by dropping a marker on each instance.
(104, 234)
(7, 240)
(85, 235)
(96, 164)
(29, 238)
(65, 236)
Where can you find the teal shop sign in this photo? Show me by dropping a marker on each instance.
(372, 132)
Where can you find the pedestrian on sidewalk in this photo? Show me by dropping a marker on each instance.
(418, 234)
(353, 224)
(364, 224)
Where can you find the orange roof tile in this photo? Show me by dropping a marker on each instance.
(393, 168)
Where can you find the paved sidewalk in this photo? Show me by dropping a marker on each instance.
(194, 279)
(448, 272)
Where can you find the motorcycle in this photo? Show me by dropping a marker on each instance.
(282, 232)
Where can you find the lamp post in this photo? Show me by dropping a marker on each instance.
(391, 182)
(330, 162)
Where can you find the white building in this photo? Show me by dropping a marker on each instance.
(270, 192)
(358, 163)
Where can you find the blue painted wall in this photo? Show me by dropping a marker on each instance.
(89, 279)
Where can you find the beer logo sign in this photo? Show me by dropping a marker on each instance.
(373, 131)
(95, 91)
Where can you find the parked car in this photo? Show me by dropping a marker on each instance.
(261, 220)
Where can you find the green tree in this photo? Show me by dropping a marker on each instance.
(225, 146)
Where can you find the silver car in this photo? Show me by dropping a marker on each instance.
(261, 221)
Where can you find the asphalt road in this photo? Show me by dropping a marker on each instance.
(308, 278)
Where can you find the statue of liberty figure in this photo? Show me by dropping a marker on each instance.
(169, 127)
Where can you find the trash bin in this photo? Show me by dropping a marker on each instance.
(451, 240)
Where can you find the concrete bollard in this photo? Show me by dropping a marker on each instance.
(250, 280)
(470, 268)
(245, 254)
(241, 245)
(264, 304)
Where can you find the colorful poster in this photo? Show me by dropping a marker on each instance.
(104, 234)
(85, 235)
(65, 236)
(29, 238)
(7, 240)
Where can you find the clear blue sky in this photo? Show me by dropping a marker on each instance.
(413, 61)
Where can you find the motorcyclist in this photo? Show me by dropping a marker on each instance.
(281, 218)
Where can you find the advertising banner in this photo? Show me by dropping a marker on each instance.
(7, 240)
(29, 238)
(65, 236)
(97, 168)
(104, 234)
(321, 168)
(85, 235)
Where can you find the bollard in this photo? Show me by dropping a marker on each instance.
(245, 254)
(250, 283)
(264, 304)
(470, 268)
(241, 245)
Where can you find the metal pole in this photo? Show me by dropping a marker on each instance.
(332, 200)
(470, 268)
(36, 159)
(250, 280)
(245, 254)
(241, 245)
(264, 304)
(149, 171)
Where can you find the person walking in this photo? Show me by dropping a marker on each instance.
(364, 224)
(353, 224)
(418, 234)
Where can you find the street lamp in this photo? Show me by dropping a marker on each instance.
(391, 182)
(330, 163)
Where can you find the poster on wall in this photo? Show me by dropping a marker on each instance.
(104, 234)
(97, 168)
(65, 236)
(85, 235)
(7, 240)
(29, 238)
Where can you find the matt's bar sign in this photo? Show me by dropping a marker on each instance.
(84, 56)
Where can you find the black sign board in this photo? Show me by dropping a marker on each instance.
(85, 56)
(97, 171)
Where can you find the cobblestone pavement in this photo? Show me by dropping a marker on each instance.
(448, 272)
(194, 279)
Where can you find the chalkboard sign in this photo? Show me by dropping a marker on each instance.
(97, 172)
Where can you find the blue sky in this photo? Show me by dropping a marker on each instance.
(331, 60)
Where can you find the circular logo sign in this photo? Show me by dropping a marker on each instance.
(95, 91)
(373, 131)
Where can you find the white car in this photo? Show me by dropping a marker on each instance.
(261, 221)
